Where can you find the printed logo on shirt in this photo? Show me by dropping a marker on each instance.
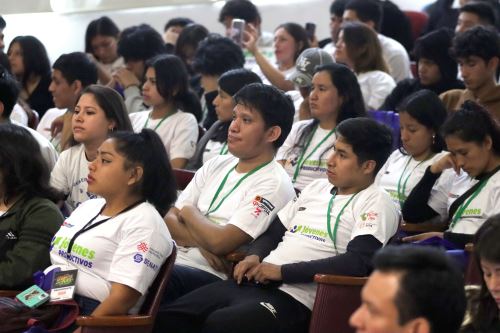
(269, 307)
(138, 258)
(472, 212)
(370, 216)
(10, 235)
(143, 247)
(313, 233)
(67, 224)
(261, 204)
(155, 253)
(79, 255)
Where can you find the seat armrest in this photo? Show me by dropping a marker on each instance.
(340, 279)
(124, 320)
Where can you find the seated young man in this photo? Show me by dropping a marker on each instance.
(413, 289)
(474, 14)
(233, 198)
(477, 52)
(334, 227)
(71, 73)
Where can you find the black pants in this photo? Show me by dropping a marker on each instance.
(227, 307)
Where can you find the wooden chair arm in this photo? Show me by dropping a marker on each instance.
(422, 227)
(9, 293)
(340, 279)
(235, 257)
(469, 248)
(125, 320)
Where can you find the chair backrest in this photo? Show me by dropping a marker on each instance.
(472, 272)
(391, 119)
(201, 132)
(155, 294)
(418, 21)
(183, 177)
(337, 297)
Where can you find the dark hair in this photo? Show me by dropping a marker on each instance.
(363, 47)
(479, 41)
(425, 107)
(487, 247)
(347, 86)
(76, 66)
(483, 10)
(231, 82)
(103, 26)
(430, 285)
(111, 103)
(337, 7)
(9, 92)
(140, 42)
(172, 83)
(241, 9)
(435, 46)
(35, 58)
(298, 34)
(472, 123)
(216, 55)
(146, 149)
(177, 21)
(3, 24)
(274, 106)
(24, 171)
(366, 10)
(369, 140)
(190, 38)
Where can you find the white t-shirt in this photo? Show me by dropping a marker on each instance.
(49, 153)
(179, 132)
(128, 249)
(297, 101)
(404, 170)
(396, 57)
(371, 212)
(312, 167)
(214, 148)
(450, 186)
(375, 87)
(330, 48)
(70, 176)
(45, 123)
(19, 115)
(251, 206)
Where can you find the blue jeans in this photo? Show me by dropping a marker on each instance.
(87, 305)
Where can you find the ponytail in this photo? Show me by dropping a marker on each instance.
(189, 102)
(146, 149)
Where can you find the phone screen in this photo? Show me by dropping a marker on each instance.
(310, 29)
(237, 28)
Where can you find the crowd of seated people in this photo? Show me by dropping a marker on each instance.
(288, 167)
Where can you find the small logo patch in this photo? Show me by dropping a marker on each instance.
(269, 307)
(138, 258)
(143, 247)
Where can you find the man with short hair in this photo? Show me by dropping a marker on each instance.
(233, 198)
(333, 227)
(9, 93)
(172, 30)
(336, 13)
(137, 44)
(413, 289)
(474, 14)
(71, 73)
(246, 10)
(477, 52)
(369, 12)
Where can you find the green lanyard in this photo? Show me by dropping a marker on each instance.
(333, 235)
(302, 160)
(401, 192)
(221, 186)
(460, 211)
(161, 121)
(224, 149)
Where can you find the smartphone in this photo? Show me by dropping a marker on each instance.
(237, 29)
(310, 30)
